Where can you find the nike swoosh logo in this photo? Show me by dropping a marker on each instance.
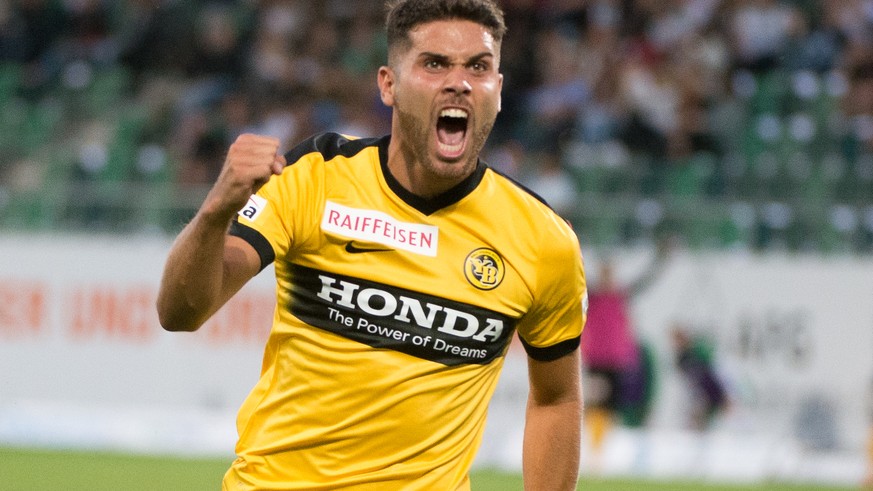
(353, 249)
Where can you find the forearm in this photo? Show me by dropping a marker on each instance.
(205, 267)
(551, 445)
(553, 424)
(193, 275)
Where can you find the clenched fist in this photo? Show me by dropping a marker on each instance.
(251, 160)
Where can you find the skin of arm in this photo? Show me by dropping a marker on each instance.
(553, 424)
(205, 266)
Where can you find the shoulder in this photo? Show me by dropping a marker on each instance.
(328, 146)
(515, 186)
(534, 212)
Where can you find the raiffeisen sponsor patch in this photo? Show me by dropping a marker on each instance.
(375, 226)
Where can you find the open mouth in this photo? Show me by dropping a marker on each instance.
(452, 132)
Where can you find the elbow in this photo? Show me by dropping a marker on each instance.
(173, 320)
(173, 326)
(176, 324)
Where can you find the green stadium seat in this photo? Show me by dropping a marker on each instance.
(41, 121)
(153, 168)
(691, 178)
(10, 81)
(38, 207)
(590, 178)
(603, 225)
(772, 89)
(105, 91)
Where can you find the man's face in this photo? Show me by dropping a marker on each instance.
(445, 92)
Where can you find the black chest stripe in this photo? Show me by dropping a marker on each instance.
(383, 316)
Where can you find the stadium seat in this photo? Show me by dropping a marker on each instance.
(10, 80)
(40, 124)
(771, 90)
(99, 92)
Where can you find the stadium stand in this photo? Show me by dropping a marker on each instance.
(684, 117)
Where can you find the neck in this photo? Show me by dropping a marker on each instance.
(414, 176)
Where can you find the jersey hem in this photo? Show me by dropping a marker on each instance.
(551, 353)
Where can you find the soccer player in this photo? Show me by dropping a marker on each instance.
(404, 265)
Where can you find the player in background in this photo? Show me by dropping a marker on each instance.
(618, 366)
(694, 358)
(404, 265)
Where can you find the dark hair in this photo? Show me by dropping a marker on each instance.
(404, 15)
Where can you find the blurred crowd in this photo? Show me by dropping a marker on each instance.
(612, 108)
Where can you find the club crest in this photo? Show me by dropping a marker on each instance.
(484, 269)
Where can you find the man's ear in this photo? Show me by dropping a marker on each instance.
(385, 80)
(500, 93)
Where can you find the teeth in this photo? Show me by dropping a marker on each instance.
(451, 149)
(453, 113)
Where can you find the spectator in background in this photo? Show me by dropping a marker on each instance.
(29, 29)
(816, 39)
(694, 358)
(650, 93)
(156, 39)
(547, 177)
(560, 90)
(202, 165)
(650, 80)
(858, 102)
(217, 58)
(618, 379)
(760, 32)
(599, 52)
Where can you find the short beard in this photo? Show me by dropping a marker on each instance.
(415, 147)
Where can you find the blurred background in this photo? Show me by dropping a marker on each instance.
(714, 156)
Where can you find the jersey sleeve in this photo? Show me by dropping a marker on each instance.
(553, 326)
(275, 217)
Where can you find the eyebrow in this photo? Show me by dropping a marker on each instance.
(445, 58)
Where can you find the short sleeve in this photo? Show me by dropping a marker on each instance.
(553, 326)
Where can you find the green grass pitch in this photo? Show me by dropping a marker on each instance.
(56, 470)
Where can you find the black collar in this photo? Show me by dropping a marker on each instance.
(429, 206)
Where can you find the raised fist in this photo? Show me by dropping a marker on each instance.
(251, 161)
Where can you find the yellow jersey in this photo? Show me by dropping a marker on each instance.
(393, 317)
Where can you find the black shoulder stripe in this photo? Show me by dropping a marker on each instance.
(256, 240)
(551, 353)
(329, 145)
